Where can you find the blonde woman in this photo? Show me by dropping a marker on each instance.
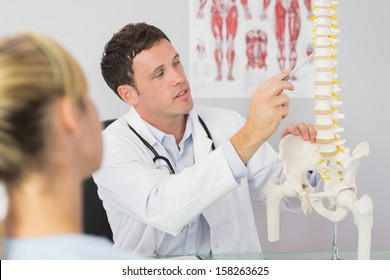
(50, 139)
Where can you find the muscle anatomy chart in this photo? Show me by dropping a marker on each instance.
(235, 45)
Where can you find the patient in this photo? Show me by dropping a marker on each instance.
(50, 140)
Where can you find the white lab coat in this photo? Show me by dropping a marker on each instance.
(144, 202)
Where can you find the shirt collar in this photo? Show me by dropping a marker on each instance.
(160, 135)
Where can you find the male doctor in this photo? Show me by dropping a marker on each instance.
(178, 179)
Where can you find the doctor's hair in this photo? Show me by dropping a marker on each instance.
(119, 52)
(34, 72)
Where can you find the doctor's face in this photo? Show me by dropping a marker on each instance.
(163, 91)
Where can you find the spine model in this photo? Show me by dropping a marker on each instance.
(328, 156)
(326, 96)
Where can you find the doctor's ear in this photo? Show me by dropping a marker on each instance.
(128, 94)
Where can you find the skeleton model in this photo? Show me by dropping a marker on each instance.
(327, 156)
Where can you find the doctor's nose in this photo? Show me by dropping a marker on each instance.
(178, 77)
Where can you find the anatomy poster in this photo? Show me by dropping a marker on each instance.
(235, 45)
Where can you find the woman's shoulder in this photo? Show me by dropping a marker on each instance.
(64, 246)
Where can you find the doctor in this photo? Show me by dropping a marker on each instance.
(178, 179)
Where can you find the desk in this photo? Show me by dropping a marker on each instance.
(375, 255)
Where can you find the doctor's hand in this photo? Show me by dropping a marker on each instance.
(269, 105)
(306, 131)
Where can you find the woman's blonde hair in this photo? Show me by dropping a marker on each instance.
(34, 72)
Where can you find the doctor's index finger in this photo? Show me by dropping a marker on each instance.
(277, 77)
(278, 87)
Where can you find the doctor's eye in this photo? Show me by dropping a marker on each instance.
(176, 62)
(159, 75)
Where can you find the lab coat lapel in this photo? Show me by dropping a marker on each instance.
(202, 144)
(134, 119)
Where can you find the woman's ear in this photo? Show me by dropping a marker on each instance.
(128, 94)
(69, 114)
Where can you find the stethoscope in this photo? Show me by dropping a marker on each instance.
(158, 157)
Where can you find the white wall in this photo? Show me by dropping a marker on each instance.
(84, 26)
